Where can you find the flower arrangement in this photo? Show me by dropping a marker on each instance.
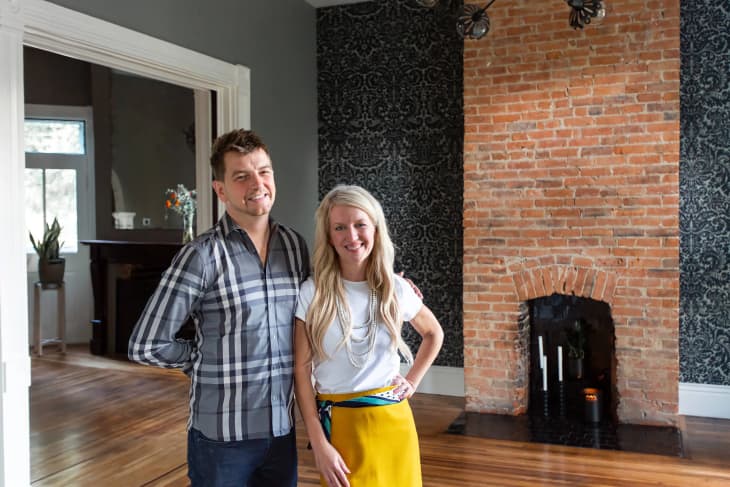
(183, 202)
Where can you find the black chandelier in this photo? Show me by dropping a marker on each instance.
(582, 11)
(472, 21)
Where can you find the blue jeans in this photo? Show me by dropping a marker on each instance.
(268, 462)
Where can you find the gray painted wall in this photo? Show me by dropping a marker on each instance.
(148, 146)
(51, 79)
(277, 41)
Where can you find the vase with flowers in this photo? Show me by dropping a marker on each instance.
(183, 202)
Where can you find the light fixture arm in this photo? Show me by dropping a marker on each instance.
(484, 9)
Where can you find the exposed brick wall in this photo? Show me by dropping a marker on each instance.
(571, 168)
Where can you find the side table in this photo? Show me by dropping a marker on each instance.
(38, 342)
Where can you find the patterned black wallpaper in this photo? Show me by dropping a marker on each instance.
(391, 119)
(704, 188)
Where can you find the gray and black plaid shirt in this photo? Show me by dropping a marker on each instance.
(241, 360)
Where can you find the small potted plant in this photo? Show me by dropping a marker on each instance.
(51, 265)
(576, 340)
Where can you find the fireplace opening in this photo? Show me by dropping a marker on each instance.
(575, 379)
(581, 409)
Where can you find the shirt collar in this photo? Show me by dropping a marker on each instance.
(228, 225)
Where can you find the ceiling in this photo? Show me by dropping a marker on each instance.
(331, 3)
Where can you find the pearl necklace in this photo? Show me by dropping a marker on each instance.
(358, 358)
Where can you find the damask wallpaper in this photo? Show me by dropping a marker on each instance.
(704, 187)
(390, 88)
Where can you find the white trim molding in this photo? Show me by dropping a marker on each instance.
(14, 358)
(203, 171)
(706, 400)
(58, 29)
(447, 381)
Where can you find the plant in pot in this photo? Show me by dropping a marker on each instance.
(51, 265)
(576, 339)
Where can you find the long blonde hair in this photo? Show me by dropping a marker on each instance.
(328, 277)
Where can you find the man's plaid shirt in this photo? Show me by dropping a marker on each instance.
(241, 360)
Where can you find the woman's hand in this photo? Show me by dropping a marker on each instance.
(403, 387)
(331, 465)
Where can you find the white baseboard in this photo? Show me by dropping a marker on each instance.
(448, 381)
(704, 400)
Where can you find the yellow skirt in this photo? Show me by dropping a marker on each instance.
(379, 444)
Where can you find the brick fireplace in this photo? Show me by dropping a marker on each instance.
(571, 173)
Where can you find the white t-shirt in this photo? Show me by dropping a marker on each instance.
(337, 375)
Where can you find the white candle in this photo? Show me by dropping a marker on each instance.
(544, 373)
(560, 363)
(539, 344)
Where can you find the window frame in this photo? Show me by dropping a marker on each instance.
(83, 163)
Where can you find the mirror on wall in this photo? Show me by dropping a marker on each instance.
(152, 149)
(144, 139)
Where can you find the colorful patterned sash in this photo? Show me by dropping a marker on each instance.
(324, 407)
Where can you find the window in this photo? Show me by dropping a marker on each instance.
(51, 178)
(54, 136)
(49, 194)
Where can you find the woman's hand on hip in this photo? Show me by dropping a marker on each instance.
(403, 387)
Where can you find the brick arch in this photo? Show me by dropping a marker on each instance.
(587, 282)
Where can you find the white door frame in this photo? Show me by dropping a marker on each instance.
(47, 26)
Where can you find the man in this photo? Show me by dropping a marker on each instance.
(239, 283)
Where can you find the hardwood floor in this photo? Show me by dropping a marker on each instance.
(103, 422)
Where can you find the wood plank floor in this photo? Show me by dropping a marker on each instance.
(103, 422)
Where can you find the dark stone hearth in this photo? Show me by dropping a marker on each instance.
(658, 440)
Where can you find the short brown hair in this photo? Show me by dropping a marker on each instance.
(241, 141)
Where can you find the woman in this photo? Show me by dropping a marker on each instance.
(348, 338)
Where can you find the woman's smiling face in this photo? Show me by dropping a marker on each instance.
(352, 234)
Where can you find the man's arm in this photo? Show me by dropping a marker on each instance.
(153, 340)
